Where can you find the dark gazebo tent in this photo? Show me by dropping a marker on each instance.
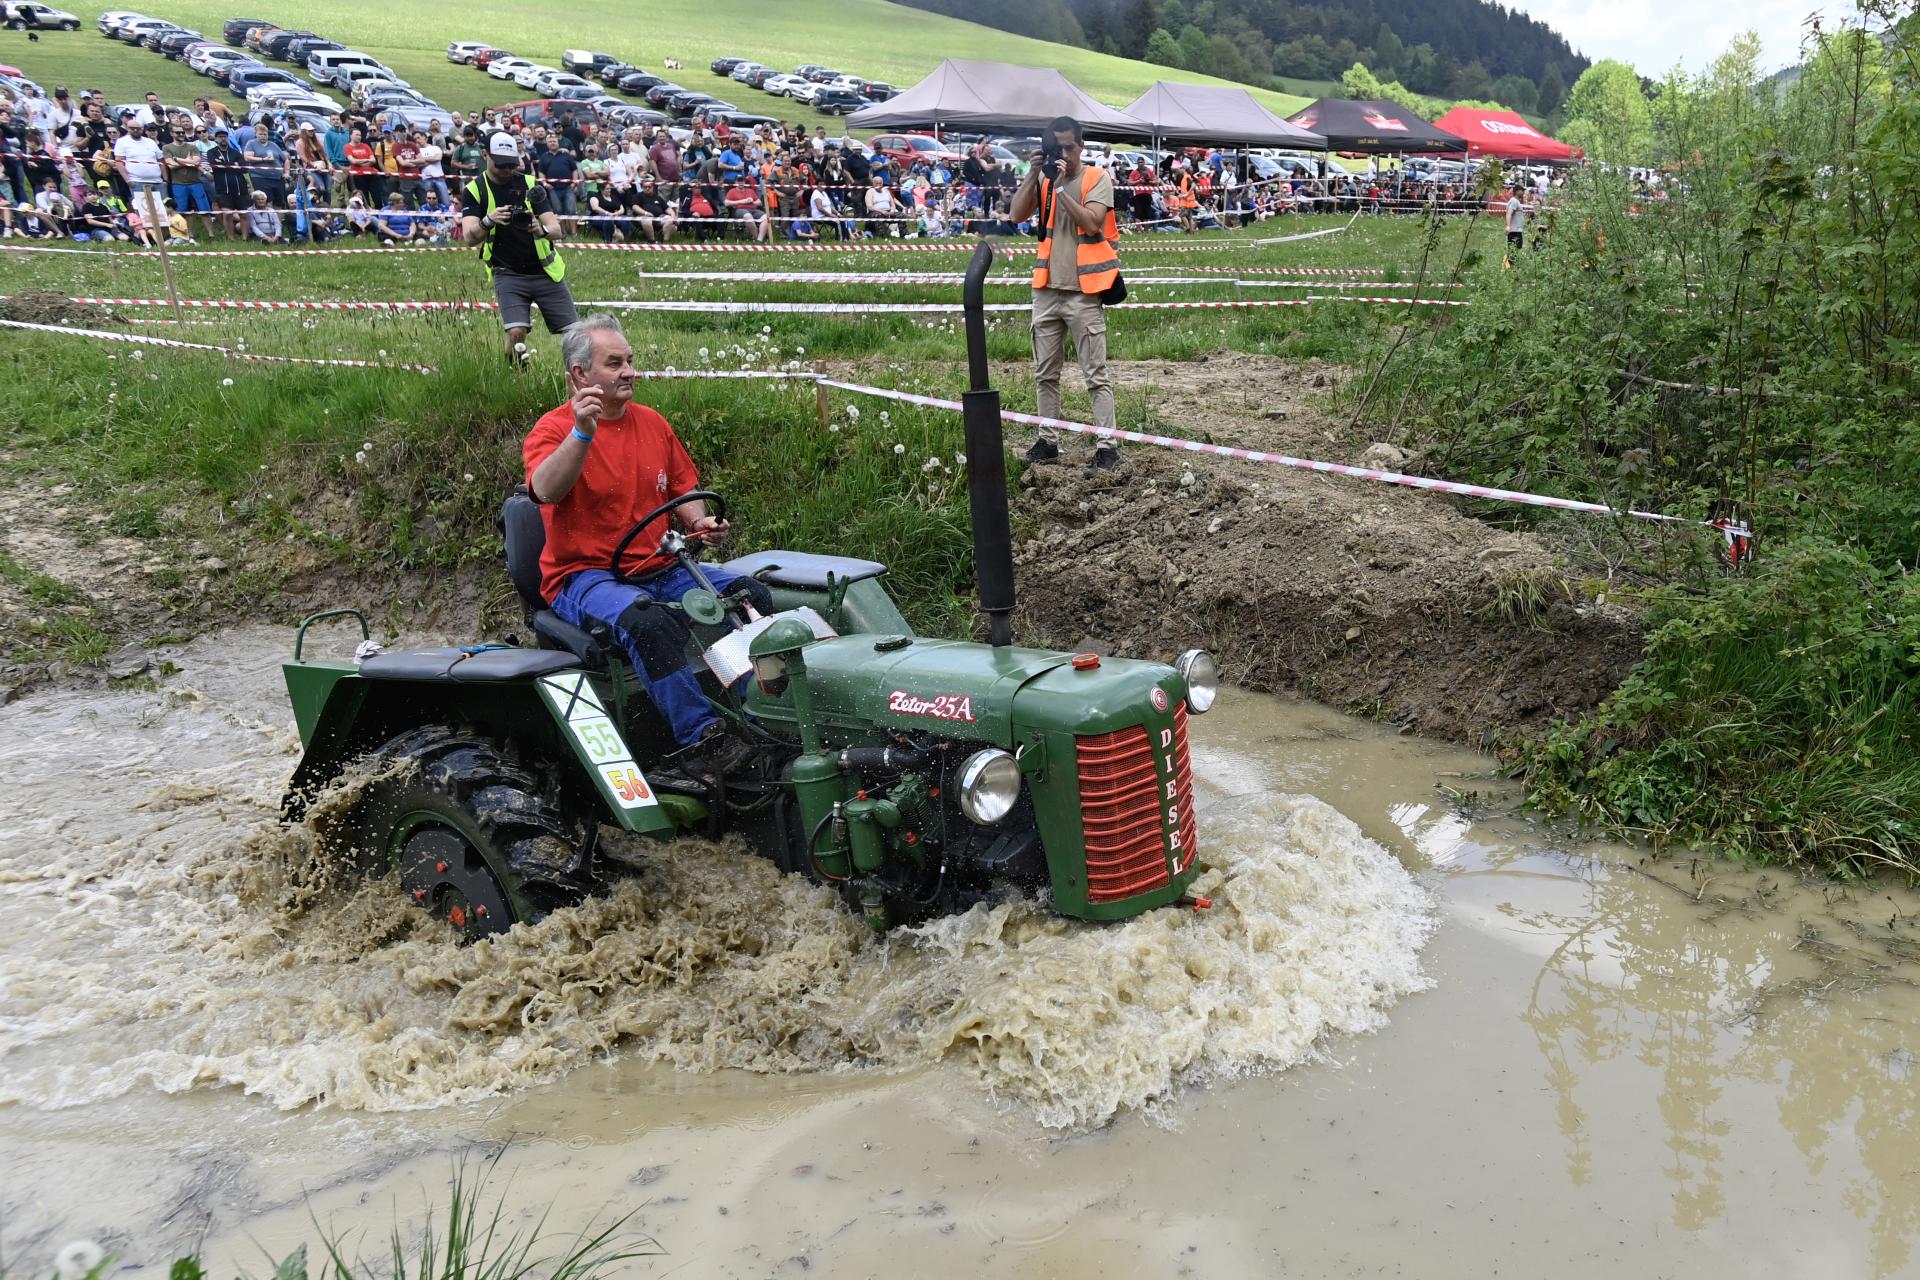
(1374, 126)
(995, 97)
(1217, 116)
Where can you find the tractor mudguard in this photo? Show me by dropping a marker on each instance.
(560, 717)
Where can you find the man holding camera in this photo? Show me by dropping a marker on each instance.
(505, 212)
(1075, 273)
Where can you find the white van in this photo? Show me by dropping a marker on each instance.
(323, 63)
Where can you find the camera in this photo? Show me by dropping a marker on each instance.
(1051, 161)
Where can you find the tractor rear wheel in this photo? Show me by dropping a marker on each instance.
(475, 838)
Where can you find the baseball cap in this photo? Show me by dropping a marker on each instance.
(503, 146)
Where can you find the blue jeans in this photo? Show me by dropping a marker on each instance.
(655, 638)
(191, 197)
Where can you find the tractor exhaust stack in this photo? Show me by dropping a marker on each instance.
(986, 462)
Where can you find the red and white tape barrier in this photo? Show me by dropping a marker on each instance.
(143, 340)
(695, 305)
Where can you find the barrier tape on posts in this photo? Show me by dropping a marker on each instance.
(144, 340)
(694, 305)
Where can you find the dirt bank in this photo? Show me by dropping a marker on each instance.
(1383, 601)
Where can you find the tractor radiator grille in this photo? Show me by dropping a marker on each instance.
(1120, 810)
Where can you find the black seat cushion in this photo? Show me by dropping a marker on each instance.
(525, 534)
(804, 570)
(486, 666)
(551, 627)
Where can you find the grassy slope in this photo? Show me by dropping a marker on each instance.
(869, 37)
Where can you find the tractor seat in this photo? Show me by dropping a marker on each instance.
(488, 666)
(803, 570)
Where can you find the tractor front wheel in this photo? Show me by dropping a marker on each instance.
(474, 836)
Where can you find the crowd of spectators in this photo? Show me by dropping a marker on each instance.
(70, 170)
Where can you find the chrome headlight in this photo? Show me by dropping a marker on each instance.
(1202, 676)
(989, 786)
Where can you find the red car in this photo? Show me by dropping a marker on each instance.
(484, 56)
(905, 149)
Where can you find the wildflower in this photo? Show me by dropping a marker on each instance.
(137, 355)
(366, 444)
(959, 459)
(930, 464)
(766, 328)
(468, 477)
(383, 353)
(853, 411)
(834, 427)
(360, 456)
(703, 353)
(899, 449)
(799, 351)
(226, 382)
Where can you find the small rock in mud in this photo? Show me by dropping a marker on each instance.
(127, 661)
(1384, 456)
(648, 1176)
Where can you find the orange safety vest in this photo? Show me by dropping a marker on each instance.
(1187, 200)
(1097, 257)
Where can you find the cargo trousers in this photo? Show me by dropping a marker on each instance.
(1058, 314)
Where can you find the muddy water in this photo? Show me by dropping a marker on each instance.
(1416, 1036)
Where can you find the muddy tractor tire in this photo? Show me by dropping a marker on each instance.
(476, 839)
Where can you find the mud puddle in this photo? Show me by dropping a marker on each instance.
(1661, 1066)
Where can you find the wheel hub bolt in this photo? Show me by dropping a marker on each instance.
(441, 867)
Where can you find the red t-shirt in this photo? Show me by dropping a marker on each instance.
(635, 463)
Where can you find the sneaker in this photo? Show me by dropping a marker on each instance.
(1106, 457)
(1041, 452)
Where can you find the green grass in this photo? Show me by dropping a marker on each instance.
(868, 37)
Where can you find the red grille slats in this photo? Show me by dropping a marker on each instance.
(1122, 820)
(1183, 786)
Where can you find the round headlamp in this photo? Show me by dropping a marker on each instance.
(1196, 667)
(989, 785)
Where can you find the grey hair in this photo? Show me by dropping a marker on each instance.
(576, 344)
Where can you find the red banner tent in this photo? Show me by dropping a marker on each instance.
(1505, 135)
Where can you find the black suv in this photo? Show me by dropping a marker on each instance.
(687, 101)
(297, 50)
(837, 102)
(725, 66)
(274, 44)
(610, 74)
(639, 81)
(659, 93)
(235, 32)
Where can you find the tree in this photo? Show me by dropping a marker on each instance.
(1195, 53)
(1163, 50)
(1471, 81)
(1516, 93)
(1142, 20)
(1607, 113)
(1358, 82)
(1388, 53)
(1229, 63)
(1553, 91)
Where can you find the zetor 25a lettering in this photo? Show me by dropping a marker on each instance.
(942, 706)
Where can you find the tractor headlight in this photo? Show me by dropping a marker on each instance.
(989, 785)
(1202, 676)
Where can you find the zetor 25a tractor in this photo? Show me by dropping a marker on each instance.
(918, 775)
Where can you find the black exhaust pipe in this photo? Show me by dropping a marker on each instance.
(986, 462)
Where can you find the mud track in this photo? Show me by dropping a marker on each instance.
(1383, 601)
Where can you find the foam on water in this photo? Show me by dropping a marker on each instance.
(170, 936)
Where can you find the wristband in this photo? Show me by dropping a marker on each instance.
(582, 436)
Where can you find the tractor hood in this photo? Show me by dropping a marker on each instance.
(954, 688)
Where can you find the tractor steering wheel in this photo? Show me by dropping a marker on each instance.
(692, 495)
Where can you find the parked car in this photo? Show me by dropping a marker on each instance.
(283, 97)
(584, 62)
(222, 72)
(257, 34)
(737, 118)
(463, 50)
(140, 111)
(550, 84)
(365, 87)
(610, 74)
(504, 68)
(760, 76)
(236, 29)
(629, 117)
(325, 65)
(823, 75)
(725, 66)
(741, 70)
(486, 57)
(29, 15)
(804, 93)
(878, 90)
(175, 43)
(136, 30)
(903, 149)
(806, 69)
(687, 102)
(639, 81)
(529, 76)
(300, 50)
(659, 93)
(205, 57)
(783, 85)
(108, 23)
(419, 117)
(837, 102)
(547, 111)
(384, 96)
(602, 103)
(274, 43)
(246, 78)
(578, 93)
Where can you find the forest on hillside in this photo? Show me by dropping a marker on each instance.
(1452, 49)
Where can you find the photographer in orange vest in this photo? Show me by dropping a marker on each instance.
(1075, 274)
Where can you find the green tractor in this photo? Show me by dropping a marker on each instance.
(918, 775)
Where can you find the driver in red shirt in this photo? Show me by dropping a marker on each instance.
(596, 465)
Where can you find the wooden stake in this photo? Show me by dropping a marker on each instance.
(820, 402)
(158, 224)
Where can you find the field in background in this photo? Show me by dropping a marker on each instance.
(866, 37)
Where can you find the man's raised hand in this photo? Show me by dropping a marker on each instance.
(588, 400)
